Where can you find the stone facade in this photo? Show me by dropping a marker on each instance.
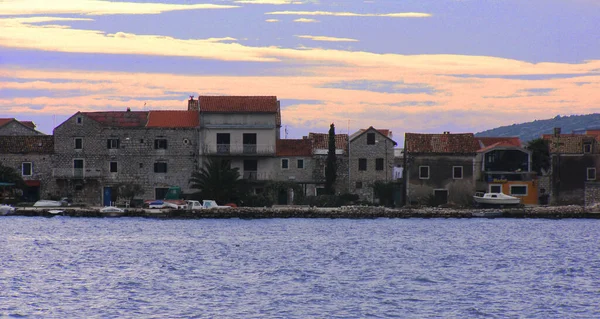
(155, 158)
(31, 156)
(371, 159)
(16, 128)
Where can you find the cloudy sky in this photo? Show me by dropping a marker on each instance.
(404, 65)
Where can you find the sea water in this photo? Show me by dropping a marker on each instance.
(65, 267)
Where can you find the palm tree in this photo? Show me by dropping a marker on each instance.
(218, 181)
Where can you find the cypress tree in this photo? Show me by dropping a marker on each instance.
(331, 166)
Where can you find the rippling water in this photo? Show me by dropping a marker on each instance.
(299, 268)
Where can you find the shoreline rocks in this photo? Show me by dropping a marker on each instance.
(347, 212)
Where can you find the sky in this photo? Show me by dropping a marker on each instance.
(420, 66)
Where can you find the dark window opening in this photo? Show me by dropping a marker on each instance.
(424, 172)
(113, 143)
(113, 167)
(300, 163)
(27, 169)
(370, 138)
(379, 164)
(284, 163)
(160, 144)
(362, 164)
(160, 167)
(358, 185)
(78, 143)
(457, 172)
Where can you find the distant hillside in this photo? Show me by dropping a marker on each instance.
(532, 130)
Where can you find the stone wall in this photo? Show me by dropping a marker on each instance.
(135, 158)
(15, 128)
(361, 181)
(592, 194)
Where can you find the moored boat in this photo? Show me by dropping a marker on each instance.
(496, 199)
(6, 210)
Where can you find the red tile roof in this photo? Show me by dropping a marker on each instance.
(173, 119)
(294, 147)
(238, 104)
(321, 140)
(487, 141)
(4, 121)
(37, 144)
(119, 118)
(464, 143)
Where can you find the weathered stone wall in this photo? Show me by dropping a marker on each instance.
(384, 149)
(440, 175)
(41, 169)
(318, 173)
(17, 129)
(592, 194)
(135, 158)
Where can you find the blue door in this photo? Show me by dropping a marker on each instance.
(107, 196)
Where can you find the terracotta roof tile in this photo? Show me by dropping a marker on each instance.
(464, 143)
(294, 147)
(4, 121)
(321, 141)
(37, 144)
(173, 119)
(237, 104)
(119, 118)
(487, 141)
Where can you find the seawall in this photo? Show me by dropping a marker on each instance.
(351, 212)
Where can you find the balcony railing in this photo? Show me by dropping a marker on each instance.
(78, 173)
(257, 176)
(239, 149)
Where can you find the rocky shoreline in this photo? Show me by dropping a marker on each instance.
(349, 212)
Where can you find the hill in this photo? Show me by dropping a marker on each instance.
(532, 130)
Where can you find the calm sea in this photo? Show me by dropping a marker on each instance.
(65, 267)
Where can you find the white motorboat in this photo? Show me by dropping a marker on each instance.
(6, 210)
(47, 203)
(111, 211)
(496, 199)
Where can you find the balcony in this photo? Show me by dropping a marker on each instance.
(257, 176)
(239, 149)
(76, 173)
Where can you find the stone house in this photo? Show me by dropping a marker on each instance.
(294, 163)
(31, 156)
(320, 148)
(96, 151)
(439, 168)
(503, 165)
(371, 159)
(13, 127)
(242, 129)
(575, 161)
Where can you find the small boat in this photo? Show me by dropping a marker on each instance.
(6, 210)
(111, 211)
(496, 199)
(48, 203)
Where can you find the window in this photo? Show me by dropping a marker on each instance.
(457, 172)
(520, 190)
(587, 147)
(141, 141)
(249, 140)
(27, 168)
(113, 143)
(160, 167)
(79, 120)
(141, 165)
(300, 163)
(284, 163)
(496, 188)
(78, 143)
(160, 192)
(591, 174)
(379, 164)
(423, 172)
(370, 138)
(113, 167)
(186, 141)
(358, 185)
(160, 144)
(362, 164)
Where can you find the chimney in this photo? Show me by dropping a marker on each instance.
(446, 132)
(556, 131)
(193, 104)
(128, 109)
